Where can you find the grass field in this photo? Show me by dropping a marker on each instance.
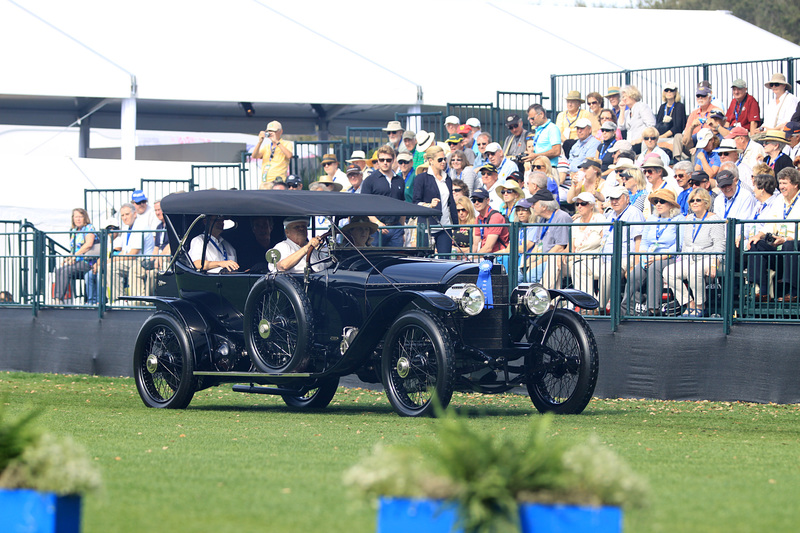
(240, 463)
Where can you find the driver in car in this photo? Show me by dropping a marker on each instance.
(220, 255)
(294, 249)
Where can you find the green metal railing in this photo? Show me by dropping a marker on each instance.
(307, 160)
(430, 122)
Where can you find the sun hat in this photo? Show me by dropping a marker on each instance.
(612, 91)
(360, 222)
(775, 136)
(329, 158)
(393, 125)
(778, 78)
(575, 95)
(425, 140)
(664, 194)
(654, 162)
(727, 145)
(328, 181)
(358, 155)
(511, 185)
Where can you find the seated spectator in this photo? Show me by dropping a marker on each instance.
(704, 157)
(656, 174)
(671, 116)
(613, 97)
(585, 145)
(125, 265)
(658, 242)
(279, 185)
(606, 115)
(482, 140)
(768, 199)
(451, 124)
(621, 150)
(735, 201)
(553, 240)
(696, 121)
(460, 169)
(145, 214)
(699, 180)
(607, 140)
(358, 231)
(567, 121)
(497, 158)
(293, 250)
(637, 116)
(751, 151)
(6, 297)
(514, 145)
(535, 180)
(743, 111)
(683, 176)
(587, 179)
(594, 101)
(783, 238)
(460, 189)
(553, 178)
(488, 240)
(780, 109)
(528, 237)
(587, 241)
(84, 248)
(434, 189)
(649, 146)
(454, 142)
(510, 193)
(91, 279)
(730, 154)
(792, 133)
(632, 178)
(698, 239)
(490, 182)
(216, 254)
(773, 142)
(294, 182)
(462, 235)
(470, 150)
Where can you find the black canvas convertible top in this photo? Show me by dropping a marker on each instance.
(288, 203)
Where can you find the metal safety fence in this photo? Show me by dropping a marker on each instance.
(307, 160)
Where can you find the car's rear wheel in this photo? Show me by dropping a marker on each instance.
(418, 366)
(163, 363)
(562, 378)
(317, 398)
(278, 325)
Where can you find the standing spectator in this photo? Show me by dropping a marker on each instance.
(83, 254)
(434, 189)
(358, 158)
(671, 116)
(330, 164)
(125, 264)
(773, 143)
(587, 241)
(274, 156)
(490, 182)
(751, 152)
(405, 168)
(659, 243)
(514, 145)
(683, 175)
(451, 124)
(567, 120)
(744, 110)
(613, 97)
(356, 177)
(482, 140)
(554, 239)
(696, 238)
(546, 135)
(460, 169)
(780, 110)
(497, 158)
(638, 116)
(488, 240)
(409, 143)
(385, 182)
(585, 145)
(394, 130)
(631, 236)
(144, 213)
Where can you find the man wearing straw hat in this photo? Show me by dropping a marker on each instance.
(330, 164)
(274, 156)
(566, 120)
(395, 132)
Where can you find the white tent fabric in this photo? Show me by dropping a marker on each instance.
(346, 52)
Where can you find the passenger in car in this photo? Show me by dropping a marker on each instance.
(294, 249)
(219, 254)
(358, 232)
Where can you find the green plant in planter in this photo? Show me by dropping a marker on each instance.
(33, 459)
(489, 477)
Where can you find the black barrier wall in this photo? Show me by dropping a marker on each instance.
(656, 360)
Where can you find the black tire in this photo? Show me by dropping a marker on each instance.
(278, 325)
(163, 363)
(318, 398)
(417, 364)
(564, 383)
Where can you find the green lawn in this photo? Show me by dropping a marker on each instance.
(239, 463)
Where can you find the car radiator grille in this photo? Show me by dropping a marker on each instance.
(489, 329)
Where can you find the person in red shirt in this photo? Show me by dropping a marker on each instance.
(491, 239)
(744, 110)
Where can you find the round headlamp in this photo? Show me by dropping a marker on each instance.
(536, 299)
(468, 296)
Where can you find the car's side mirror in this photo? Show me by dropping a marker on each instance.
(272, 256)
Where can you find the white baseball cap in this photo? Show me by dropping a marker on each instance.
(452, 119)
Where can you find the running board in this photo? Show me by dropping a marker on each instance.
(264, 390)
(250, 375)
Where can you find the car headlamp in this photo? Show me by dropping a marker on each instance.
(468, 296)
(532, 299)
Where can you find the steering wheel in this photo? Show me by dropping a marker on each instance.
(322, 240)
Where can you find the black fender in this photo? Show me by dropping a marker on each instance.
(197, 327)
(381, 318)
(576, 297)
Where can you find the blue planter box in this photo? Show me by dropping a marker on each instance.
(29, 511)
(401, 515)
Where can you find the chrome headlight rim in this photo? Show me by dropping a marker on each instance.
(469, 298)
(533, 299)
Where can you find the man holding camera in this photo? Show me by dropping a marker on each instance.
(275, 155)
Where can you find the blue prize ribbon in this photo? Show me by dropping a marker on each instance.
(485, 281)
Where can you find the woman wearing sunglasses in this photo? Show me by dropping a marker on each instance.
(460, 169)
(434, 189)
(650, 146)
(587, 242)
(462, 236)
(542, 164)
(658, 243)
(779, 111)
(671, 116)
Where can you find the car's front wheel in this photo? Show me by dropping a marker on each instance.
(163, 363)
(563, 375)
(418, 366)
(317, 398)
(278, 325)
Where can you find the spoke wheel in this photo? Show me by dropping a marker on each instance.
(418, 364)
(562, 379)
(163, 363)
(317, 398)
(278, 325)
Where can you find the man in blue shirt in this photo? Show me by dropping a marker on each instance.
(546, 135)
(585, 146)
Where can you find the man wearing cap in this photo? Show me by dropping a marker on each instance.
(394, 130)
(553, 238)
(750, 153)
(728, 153)
(608, 131)
(585, 145)
(744, 110)
(490, 181)
(613, 96)
(385, 182)
(451, 124)
(696, 121)
(546, 135)
(330, 164)
(293, 250)
(700, 180)
(632, 235)
(490, 239)
(514, 145)
(475, 127)
(735, 201)
(455, 142)
(405, 168)
(144, 213)
(567, 120)
(294, 182)
(773, 143)
(792, 132)
(503, 165)
(274, 155)
(469, 142)
(410, 146)
(355, 176)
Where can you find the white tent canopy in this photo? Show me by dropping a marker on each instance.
(352, 52)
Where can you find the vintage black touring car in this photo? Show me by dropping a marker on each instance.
(423, 327)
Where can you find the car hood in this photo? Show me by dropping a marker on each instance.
(417, 270)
